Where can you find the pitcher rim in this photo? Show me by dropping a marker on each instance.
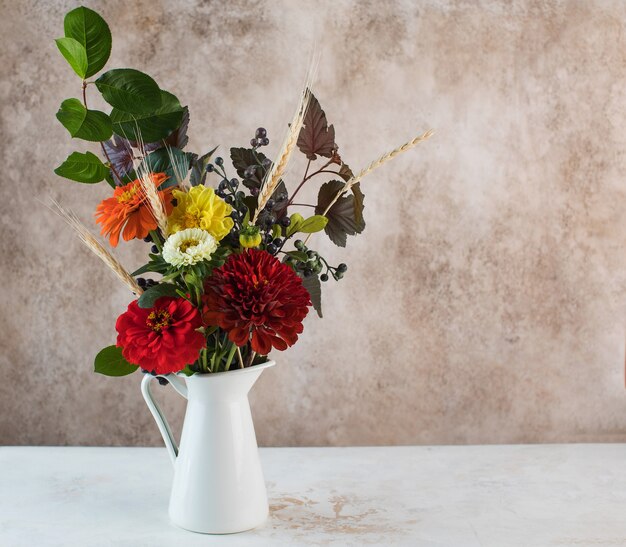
(262, 366)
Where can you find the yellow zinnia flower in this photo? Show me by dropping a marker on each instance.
(201, 208)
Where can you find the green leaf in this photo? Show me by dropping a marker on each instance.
(150, 126)
(187, 371)
(276, 230)
(296, 220)
(129, 90)
(160, 161)
(342, 216)
(91, 31)
(156, 264)
(313, 224)
(82, 168)
(313, 285)
(111, 362)
(298, 255)
(149, 297)
(75, 54)
(198, 168)
(89, 125)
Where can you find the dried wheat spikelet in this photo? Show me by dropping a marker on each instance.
(373, 166)
(97, 248)
(151, 194)
(273, 176)
(377, 163)
(155, 202)
(181, 172)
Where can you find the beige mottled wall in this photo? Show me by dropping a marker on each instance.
(485, 301)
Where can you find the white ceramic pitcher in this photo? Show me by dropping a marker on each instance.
(218, 483)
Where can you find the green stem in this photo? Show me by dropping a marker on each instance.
(203, 361)
(231, 354)
(156, 239)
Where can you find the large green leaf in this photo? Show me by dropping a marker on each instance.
(91, 31)
(149, 126)
(75, 54)
(90, 125)
(111, 362)
(130, 90)
(149, 297)
(82, 168)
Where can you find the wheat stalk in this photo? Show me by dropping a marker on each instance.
(377, 163)
(155, 202)
(150, 191)
(273, 176)
(373, 166)
(97, 248)
(179, 167)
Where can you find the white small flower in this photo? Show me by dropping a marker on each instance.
(188, 247)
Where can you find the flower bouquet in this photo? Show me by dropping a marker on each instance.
(230, 274)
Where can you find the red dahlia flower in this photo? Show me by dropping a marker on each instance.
(163, 338)
(254, 294)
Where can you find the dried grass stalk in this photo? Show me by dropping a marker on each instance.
(155, 202)
(150, 191)
(179, 167)
(97, 248)
(377, 163)
(372, 166)
(273, 176)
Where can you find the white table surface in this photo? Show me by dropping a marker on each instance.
(498, 496)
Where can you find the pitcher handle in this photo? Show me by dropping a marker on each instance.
(180, 387)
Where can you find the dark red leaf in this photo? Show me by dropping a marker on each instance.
(316, 136)
(345, 217)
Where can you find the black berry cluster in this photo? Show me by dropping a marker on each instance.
(260, 138)
(146, 284)
(315, 264)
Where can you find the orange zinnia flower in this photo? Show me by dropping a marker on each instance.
(128, 211)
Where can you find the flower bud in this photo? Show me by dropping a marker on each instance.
(250, 237)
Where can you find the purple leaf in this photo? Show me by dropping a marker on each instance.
(345, 217)
(316, 136)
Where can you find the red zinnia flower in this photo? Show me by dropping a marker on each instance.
(163, 338)
(253, 293)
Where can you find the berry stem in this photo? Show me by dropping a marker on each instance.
(303, 205)
(307, 177)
